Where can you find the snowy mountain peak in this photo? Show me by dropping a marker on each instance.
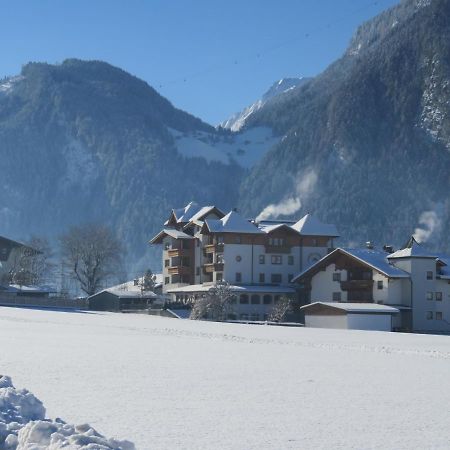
(238, 120)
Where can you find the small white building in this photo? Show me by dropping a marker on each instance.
(349, 316)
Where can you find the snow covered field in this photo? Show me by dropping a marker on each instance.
(169, 384)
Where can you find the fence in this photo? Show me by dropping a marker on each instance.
(8, 299)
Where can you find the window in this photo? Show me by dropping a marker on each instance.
(238, 258)
(238, 277)
(166, 263)
(167, 280)
(438, 296)
(237, 240)
(276, 242)
(429, 315)
(167, 246)
(220, 240)
(337, 276)
(262, 259)
(277, 259)
(290, 260)
(314, 242)
(380, 284)
(243, 299)
(438, 315)
(219, 276)
(276, 278)
(255, 300)
(276, 299)
(429, 275)
(219, 258)
(185, 261)
(267, 299)
(336, 296)
(262, 278)
(429, 296)
(197, 271)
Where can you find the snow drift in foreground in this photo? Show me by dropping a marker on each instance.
(23, 426)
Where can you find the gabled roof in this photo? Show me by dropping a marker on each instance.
(374, 259)
(198, 217)
(412, 249)
(311, 226)
(176, 234)
(354, 307)
(231, 223)
(183, 215)
(278, 226)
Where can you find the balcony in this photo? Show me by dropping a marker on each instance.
(179, 270)
(173, 252)
(278, 249)
(212, 267)
(212, 248)
(356, 285)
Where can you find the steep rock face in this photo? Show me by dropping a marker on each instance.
(85, 141)
(374, 129)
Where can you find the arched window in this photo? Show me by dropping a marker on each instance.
(243, 299)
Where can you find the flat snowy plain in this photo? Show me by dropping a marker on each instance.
(179, 384)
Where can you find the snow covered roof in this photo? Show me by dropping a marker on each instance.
(355, 307)
(241, 289)
(412, 249)
(176, 234)
(31, 289)
(311, 226)
(268, 228)
(185, 214)
(124, 293)
(373, 258)
(232, 223)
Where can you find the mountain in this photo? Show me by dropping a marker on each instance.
(366, 144)
(85, 141)
(237, 121)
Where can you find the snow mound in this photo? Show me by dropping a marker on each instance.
(23, 426)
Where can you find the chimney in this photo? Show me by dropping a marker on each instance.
(388, 248)
(369, 245)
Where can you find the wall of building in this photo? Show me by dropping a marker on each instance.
(325, 321)
(377, 322)
(323, 286)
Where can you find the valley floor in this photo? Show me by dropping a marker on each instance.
(169, 384)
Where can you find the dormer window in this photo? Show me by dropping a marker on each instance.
(429, 275)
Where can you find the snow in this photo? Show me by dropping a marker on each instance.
(311, 226)
(169, 383)
(23, 426)
(245, 148)
(357, 307)
(7, 85)
(232, 223)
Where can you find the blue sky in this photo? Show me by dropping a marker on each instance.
(208, 57)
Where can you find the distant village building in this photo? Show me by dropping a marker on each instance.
(412, 280)
(203, 246)
(125, 297)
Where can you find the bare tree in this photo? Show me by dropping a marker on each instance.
(215, 305)
(280, 309)
(148, 281)
(92, 254)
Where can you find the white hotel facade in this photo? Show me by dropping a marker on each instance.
(203, 246)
